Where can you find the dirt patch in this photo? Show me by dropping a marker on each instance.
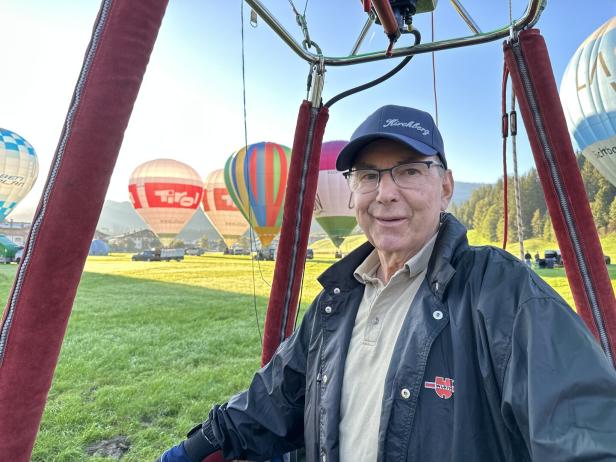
(115, 447)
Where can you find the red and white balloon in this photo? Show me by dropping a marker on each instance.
(165, 193)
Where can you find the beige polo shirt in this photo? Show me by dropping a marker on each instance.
(377, 326)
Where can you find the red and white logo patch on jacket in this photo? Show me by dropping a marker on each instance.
(442, 386)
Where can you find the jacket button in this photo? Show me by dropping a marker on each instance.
(324, 457)
(324, 378)
(437, 315)
(405, 393)
(328, 309)
(336, 291)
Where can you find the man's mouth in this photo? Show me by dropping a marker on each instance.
(389, 219)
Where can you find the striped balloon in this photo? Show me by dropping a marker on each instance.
(256, 177)
(166, 194)
(18, 170)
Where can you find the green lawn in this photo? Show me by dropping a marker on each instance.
(152, 345)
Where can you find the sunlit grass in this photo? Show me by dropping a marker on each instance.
(151, 346)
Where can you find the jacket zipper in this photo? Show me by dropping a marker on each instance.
(85, 72)
(564, 205)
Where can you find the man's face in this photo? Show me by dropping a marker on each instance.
(400, 221)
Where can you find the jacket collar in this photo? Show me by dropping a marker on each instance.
(451, 238)
(451, 235)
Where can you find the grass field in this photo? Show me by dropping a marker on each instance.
(151, 346)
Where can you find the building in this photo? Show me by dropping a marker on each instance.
(16, 231)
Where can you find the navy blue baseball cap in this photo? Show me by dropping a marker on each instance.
(412, 127)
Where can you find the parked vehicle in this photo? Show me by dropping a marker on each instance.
(197, 251)
(268, 254)
(159, 255)
(236, 251)
(8, 250)
(553, 258)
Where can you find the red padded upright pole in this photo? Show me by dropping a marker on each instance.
(531, 73)
(297, 215)
(41, 300)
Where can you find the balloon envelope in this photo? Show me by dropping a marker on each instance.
(220, 209)
(18, 170)
(331, 207)
(165, 193)
(256, 177)
(588, 94)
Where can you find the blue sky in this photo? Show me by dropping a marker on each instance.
(190, 104)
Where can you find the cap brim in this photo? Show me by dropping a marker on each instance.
(347, 156)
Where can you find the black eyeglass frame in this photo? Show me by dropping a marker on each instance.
(428, 163)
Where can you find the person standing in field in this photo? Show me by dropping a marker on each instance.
(420, 346)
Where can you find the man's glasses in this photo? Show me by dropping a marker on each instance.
(411, 175)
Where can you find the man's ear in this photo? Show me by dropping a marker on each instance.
(446, 190)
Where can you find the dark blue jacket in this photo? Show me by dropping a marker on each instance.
(490, 365)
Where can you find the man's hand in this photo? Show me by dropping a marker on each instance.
(175, 454)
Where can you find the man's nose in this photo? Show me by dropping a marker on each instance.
(388, 189)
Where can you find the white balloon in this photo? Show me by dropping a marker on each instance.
(218, 206)
(588, 95)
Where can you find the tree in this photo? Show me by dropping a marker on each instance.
(488, 227)
(536, 224)
(548, 230)
(177, 244)
(600, 207)
(481, 208)
(612, 216)
(591, 178)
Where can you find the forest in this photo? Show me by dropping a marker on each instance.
(484, 210)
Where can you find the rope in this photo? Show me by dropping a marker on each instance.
(505, 133)
(434, 74)
(254, 284)
(513, 125)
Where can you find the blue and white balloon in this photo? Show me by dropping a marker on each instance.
(18, 170)
(588, 95)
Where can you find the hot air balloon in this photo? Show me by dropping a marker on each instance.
(588, 95)
(18, 170)
(220, 209)
(256, 177)
(165, 193)
(331, 206)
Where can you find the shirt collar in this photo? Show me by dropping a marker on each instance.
(366, 271)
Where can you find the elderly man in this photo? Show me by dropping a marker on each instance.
(420, 347)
